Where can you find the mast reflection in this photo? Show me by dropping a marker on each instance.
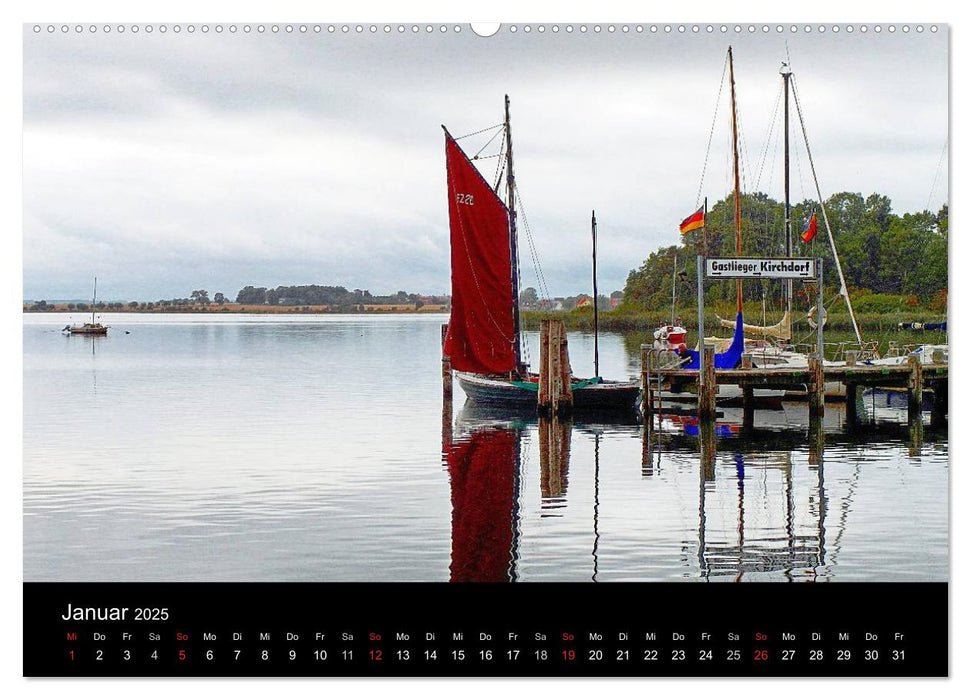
(756, 500)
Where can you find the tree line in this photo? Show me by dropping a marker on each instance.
(322, 295)
(886, 257)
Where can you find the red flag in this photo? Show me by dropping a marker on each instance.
(810, 231)
(695, 221)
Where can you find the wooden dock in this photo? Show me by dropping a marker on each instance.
(912, 376)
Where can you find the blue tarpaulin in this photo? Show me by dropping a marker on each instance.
(731, 358)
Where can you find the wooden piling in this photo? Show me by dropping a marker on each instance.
(851, 357)
(915, 400)
(647, 448)
(647, 393)
(543, 395)
(748, 397)
(817, 385)
(446, 390)
(565, 404)
(707, 388)
(555, 394)
(915, 386)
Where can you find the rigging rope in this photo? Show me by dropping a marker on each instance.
(936, 176)
(829, 232)
(768, 140)
(711, 133)
(476, 156)
(480, 131)
(537, 268)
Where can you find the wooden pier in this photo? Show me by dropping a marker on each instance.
(913, 376)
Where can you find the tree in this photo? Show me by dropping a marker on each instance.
(200, 296)
(528, 298)
(251, 295)
(218, 298)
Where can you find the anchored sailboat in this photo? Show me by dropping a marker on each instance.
(483, 342)
(92, 328)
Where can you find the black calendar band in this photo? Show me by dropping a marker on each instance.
(433, 629)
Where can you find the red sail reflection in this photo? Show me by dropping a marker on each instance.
(483, 470)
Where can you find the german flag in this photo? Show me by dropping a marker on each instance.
(695, 221)
(810, 232)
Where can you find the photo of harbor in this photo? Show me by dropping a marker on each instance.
(690, 325)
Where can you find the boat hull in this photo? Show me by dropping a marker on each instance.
(495, 391)
(88, 330)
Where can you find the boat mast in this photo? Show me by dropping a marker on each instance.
(786, 73)
(738, 194)
(94, 299)
(674, 284)
(513, 242)
(596, 317)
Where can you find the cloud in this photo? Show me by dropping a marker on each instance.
(169, 162)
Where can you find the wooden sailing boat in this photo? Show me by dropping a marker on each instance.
(92, 328)
(483, 342)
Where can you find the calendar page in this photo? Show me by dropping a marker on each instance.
(520, 349)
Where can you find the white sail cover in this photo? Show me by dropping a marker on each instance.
(782, 330)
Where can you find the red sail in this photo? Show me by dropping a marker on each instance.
(482, 469)
(481, 335)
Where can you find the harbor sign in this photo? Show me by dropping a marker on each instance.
(768, 268)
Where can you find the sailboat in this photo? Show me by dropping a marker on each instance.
(671, 337)
(92, 328)
(777, 351)
(484, 340)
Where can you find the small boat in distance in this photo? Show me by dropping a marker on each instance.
(92, 328)
(483, 342)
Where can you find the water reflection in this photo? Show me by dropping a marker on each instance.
(763, 509)
(483, 467)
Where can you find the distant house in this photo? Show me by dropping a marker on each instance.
(583, 302)
(615, 302)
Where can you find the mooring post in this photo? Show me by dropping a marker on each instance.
(851, 357)
(817, 385)
(647, 394)
(915, 399)
(565, 403)
(707, 388)
(543, 402)
(915, 386)
(556, 372)
(446, 390)
(748, 397)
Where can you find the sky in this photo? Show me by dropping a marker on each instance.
(165, 163)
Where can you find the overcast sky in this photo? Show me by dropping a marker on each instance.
(170, 162)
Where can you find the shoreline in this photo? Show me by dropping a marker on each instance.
(249, 309)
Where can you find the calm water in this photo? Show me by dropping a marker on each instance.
(285, 448)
